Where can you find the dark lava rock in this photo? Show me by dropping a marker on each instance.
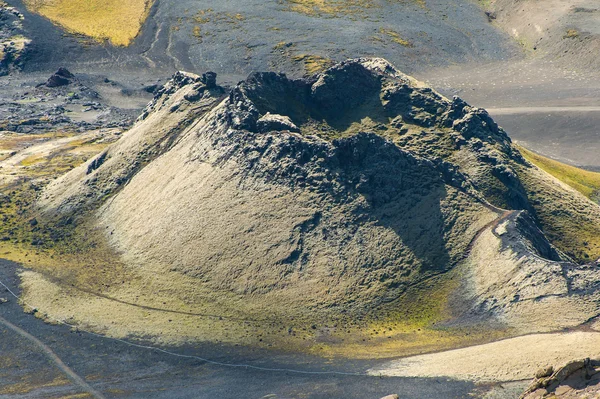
(152, 89)
(62, 77)
(209, 79)
(344, 86)
(96, 163)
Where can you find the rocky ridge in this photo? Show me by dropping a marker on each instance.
(577, 379)
(13, 43)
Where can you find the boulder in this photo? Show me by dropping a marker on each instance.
(569, 380)
(274, 122)
(544, 372)
(62, 77)
(209, 79)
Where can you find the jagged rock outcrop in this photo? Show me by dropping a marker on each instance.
(13, 43)
(577, 379)
(62, 77)
(324, 196)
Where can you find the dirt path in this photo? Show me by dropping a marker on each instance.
(491, 225)
(54, 358)
(512, 359)
(71, 285)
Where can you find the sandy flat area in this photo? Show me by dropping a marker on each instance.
(507, 360)
(540, 110)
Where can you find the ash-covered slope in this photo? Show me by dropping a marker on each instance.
(566, 32)
(322, 196)
(236, 39)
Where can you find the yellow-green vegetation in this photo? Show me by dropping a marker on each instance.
(313, 63)
(203, 17)
(31, 161)
(197, 32)
(280, 45)
(15, 141)
(570, 220)
(330, 8)
(339, 8)
(113, 20)
(32, 383)
(571, 34)
(395, 37)
(413, 324)
(584, 181)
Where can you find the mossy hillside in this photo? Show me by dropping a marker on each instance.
(569, 219)
(586, 182)
(120, 308)
(75, 257)
(30, 162)
(143, 305)
(113, 20)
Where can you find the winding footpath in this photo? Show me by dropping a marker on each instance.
(76, 379)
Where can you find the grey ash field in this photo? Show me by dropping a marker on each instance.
(332, 228)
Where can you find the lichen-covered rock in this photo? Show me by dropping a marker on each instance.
(273, 122)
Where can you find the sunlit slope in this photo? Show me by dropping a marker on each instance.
(584, 181)
(114, 20)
